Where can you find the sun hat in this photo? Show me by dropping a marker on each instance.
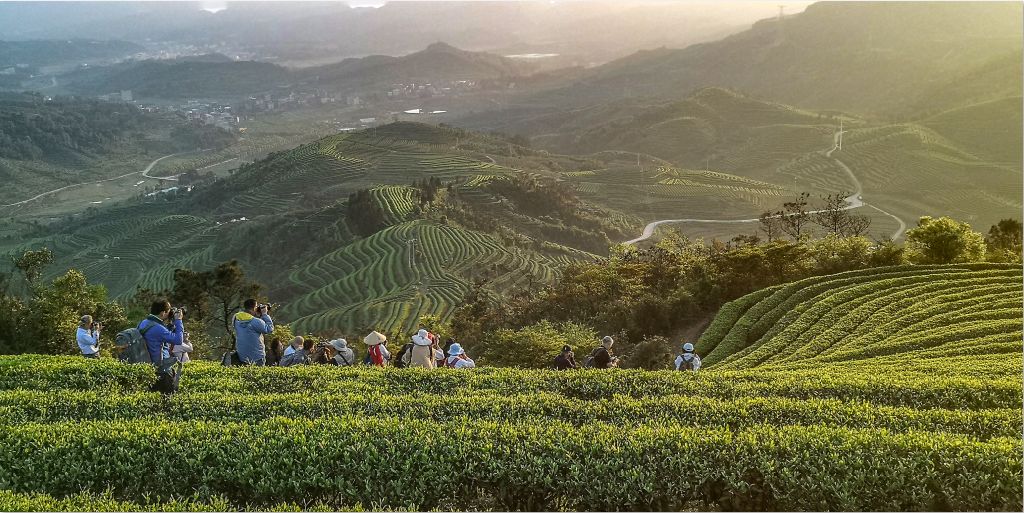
(421, 338)
(375, 338)
(339, 344)
(456, 350)
(688, 347)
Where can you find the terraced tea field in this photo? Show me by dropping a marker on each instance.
(965, 318)
(891, 389)
(385, 282)
(299, 198)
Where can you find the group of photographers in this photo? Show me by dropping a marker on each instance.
(163, 335)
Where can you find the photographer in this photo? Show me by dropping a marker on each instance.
(250, 326)
(160, 339)
(88, 337)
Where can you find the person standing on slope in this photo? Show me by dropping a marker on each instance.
(88, 337)
(159, 341)
(250, 326)
(688, 360)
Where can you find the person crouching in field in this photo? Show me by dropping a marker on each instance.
(457, 358)
(296, 344)
(688, 360)
(88, 337)
(250, 326)
(300, 356)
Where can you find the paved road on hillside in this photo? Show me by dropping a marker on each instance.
(145, 173)
(852, 201)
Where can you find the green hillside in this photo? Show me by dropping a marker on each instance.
(965, 162)
(288, 219)
(962, 320)
(902, 380)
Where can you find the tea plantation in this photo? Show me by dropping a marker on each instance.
(889, 389)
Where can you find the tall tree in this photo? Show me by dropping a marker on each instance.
(833, 216)
(795, 216)
(1004, 241)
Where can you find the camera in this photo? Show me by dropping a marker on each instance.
(175, 310)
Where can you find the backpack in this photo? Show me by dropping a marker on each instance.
(404, 356)
(588, 362)
(132, 345)
(376, 356)
(231, 359)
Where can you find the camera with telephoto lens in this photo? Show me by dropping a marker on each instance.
(175, 310)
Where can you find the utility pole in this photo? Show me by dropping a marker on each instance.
(840, 134)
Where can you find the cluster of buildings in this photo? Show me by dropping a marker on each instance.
(270, 102)
(414, 90)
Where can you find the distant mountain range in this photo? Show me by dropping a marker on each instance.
(580, 32)
(219, 76)
(883, 59)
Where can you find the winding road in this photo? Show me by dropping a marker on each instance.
(852, 201)
(145, 173)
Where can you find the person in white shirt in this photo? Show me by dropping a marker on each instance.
(688, 360)
(88, 337)
(294, 346)
(457, 358)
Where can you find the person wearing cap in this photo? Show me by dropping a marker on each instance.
(293, 346)
(422, 353)
(344, 356)
(688, 360)
(377, 353)
(566, 359)
(603, 358)
(88, 337)
(457, 358)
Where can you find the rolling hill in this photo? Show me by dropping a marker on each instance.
(287, 219)
(915, 320)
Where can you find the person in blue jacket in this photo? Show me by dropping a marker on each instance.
(159, 339)
(250, 326)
